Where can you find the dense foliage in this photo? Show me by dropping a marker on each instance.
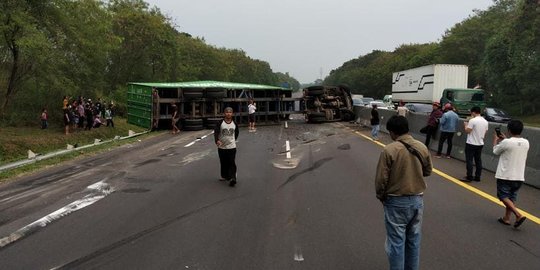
(500, 45)
(52, 48)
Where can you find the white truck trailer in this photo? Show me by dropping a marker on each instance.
(426, 84)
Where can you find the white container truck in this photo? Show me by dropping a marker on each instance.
(437, 83)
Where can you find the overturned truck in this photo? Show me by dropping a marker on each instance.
(200, 104)
(327, 104)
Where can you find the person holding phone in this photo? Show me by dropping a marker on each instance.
(510, 172)
(476, 129)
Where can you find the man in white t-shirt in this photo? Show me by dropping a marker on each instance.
(225, 135)
(251, 115)
(402, 110)
(476, 129)
(511, 169)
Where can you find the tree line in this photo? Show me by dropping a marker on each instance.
(52, 48)
(501, 46)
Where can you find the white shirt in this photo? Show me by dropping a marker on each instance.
(252, 108)
(402, 110)
(512, 160)
(226, 135)
(479, 126)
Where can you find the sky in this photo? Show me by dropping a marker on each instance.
(309, 38)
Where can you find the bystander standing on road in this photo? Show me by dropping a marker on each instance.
(155, 109)
(109, 116)
(402, 110)
(510, 172)
(175, 118)
(225, 135)
(67, 121)
(251, 115)
(44, 119)
(400, 186)
(476, 129)
(433, 122)
(448, 125)
(375, 121)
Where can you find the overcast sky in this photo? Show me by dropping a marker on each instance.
(310, 37)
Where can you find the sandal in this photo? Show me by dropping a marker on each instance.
(519, 222)
(501, 220)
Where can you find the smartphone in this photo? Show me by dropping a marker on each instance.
(498, 131)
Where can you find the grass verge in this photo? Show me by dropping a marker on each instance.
(15, 143)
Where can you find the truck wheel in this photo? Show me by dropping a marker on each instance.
(315, 92)
(216, 93)
(210, 123)
(316, 119)
(192, 93)
(193, 128)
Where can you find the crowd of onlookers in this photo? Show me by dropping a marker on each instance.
(82, 113)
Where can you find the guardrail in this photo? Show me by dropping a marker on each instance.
(489, 160)
(32, 158)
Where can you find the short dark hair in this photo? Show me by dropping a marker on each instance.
(515, 127)
(475, 109)
(398, 125)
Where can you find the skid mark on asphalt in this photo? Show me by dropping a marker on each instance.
(99, 191)
(344, 147)
(525, 249)
(146, 162)
(478, 192)
(195, 156)
(315, 166)
(78, 262)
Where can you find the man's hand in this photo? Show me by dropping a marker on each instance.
(219, 143)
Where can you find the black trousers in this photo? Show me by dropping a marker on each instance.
(228, 164)
(430, 133)
(445, 136)
(473, 152)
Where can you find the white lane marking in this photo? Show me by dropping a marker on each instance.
(288, 149)
(198, 139)
(101, 190)
(286, 125)
(298, 255)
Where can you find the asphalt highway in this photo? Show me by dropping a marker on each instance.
(158, 204)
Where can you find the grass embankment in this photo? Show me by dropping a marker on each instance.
(16, 141)
(532, 120)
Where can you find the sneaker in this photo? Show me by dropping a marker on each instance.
(448, 157)
(476, 179)
(438, 156)
(466, 179)
(232, 183)
(223, 179)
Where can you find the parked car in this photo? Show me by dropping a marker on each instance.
(419, 108)
(379, 103)
(367, 100)
(496, 115)
(357, 102)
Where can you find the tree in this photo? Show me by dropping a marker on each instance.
(22, 44)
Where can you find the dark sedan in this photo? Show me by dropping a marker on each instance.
(419, 108)
(496, 115)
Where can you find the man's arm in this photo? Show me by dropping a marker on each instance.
(217, 130)
(468, 128)
(236, 131)
(382, 175)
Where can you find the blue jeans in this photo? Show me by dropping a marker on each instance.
(375, 131)
(403, 221)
